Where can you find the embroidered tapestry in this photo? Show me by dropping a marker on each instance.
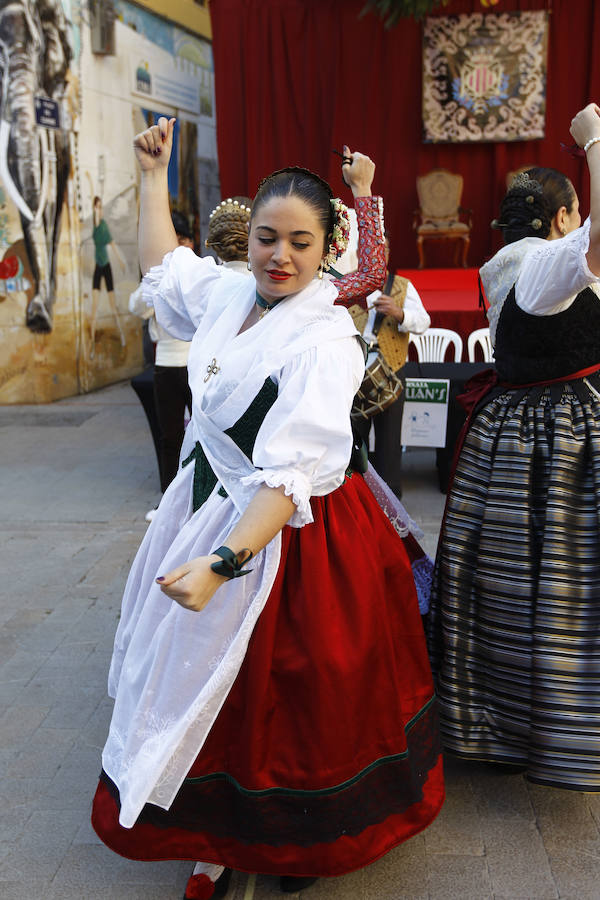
(484, 77)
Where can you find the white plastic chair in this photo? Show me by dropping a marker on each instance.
(482, 337)
(431, 346)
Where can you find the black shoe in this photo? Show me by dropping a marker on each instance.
(507, 768)
(222, 883)
(289, 884)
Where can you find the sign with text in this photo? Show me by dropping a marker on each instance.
(425, 412)
(46, 112)
(167, 83)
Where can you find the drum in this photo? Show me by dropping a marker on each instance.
(380, 388)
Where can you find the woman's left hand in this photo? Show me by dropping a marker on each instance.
(193, 584)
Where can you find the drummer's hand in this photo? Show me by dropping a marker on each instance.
(386, 305)
(153, 146)
(586, 124)
(192, 584)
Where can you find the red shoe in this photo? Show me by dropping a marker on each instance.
(200, 887)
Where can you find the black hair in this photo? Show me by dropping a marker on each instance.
(301, 183)
(532, 201)
(181, 225)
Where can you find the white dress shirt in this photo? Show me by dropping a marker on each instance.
(548, 275)
(416, 317)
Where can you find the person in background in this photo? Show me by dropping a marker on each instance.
(228, 233)
(515, 613)
(407, 310)
(172, 395)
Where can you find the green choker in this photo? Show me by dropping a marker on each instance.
(266, 307)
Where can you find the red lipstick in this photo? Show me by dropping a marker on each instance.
(276, 275)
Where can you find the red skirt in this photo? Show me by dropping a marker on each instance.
(326, 752)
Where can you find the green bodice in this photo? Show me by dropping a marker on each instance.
(243, 433)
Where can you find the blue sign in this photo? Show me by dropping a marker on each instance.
(46, 112)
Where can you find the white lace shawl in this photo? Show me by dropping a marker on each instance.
(305, 441)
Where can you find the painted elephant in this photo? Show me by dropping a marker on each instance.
(35, 54)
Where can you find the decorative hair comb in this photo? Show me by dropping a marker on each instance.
(231, 203)
(523, 181)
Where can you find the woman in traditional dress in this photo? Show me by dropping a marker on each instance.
(515, 617)
(282, 722)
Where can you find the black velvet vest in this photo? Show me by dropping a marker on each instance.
(540, 348)
(243, 433)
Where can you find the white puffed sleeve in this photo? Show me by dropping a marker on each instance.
(305, 441)
(554, 272)
(179, 290)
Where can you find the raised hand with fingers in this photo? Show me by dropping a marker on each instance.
(153, 146)
(359, 173)
(586, 124)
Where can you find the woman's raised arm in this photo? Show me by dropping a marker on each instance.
(156, 235)
(585, 129)
(370, 275)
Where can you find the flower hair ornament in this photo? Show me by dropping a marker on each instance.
(340, 234)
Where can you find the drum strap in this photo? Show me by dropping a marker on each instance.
(387, 289)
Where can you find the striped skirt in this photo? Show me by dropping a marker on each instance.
(515, 610)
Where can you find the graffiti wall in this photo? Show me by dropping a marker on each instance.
(69, 186)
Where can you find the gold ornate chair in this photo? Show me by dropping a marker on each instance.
(438, 216)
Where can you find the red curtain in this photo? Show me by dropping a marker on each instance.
(296, 78)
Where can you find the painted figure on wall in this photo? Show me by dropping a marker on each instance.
(102, 239)
(35, 53)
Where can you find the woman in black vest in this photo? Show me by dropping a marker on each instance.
(515, 615)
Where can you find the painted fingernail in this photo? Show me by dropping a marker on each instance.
(161, 578)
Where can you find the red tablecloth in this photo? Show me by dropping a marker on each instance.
(451, 297)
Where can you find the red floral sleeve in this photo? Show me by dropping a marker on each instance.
(370, 275)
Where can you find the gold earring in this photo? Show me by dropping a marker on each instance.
(249, 265)
(320, 270)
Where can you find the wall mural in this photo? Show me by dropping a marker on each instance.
(34, 149)
(69, 185)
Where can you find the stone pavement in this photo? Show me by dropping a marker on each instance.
(75, 481)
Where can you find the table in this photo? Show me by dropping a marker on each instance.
(451, 297)
(457, 374)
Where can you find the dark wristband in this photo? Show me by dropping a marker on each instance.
(230, 565)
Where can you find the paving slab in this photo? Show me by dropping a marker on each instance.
(71, 519)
